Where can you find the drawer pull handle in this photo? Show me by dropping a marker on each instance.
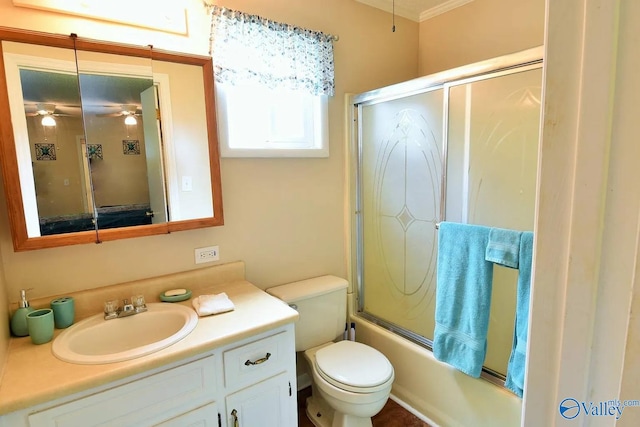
(234, 414)
(259, 361)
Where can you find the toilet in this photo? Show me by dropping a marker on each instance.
(350, 381)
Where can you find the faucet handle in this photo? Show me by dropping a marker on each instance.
(139, 304)
(138, 300)
(110, 309)
(110, 306)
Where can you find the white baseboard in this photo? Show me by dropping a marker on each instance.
(304, 381)
(413, 411)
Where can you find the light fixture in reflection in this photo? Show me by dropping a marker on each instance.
(48, 121)
(130, 120)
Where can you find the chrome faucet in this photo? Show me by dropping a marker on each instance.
(112, 309)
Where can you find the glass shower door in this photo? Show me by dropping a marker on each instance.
(462, 151)
(492, 146)
(401, 159)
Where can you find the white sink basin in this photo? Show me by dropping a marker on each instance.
(95, 340)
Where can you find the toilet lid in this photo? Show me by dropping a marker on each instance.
(353, 366)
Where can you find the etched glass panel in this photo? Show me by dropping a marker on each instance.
(491, 177)
(401, 148)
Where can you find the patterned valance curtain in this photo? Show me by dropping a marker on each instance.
(248, 48)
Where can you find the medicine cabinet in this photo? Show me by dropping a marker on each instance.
(102, 141)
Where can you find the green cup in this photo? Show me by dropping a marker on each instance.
(40, 324)
(63, 312)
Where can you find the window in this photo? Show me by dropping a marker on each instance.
(254, 121)
(272, 86)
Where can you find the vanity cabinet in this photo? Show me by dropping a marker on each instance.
(252, 381)
(206, 416)
(265, 404)
(258, 376)
(147, 401)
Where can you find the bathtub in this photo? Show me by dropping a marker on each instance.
(436, 392)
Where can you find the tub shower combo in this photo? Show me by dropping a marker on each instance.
(457, 146)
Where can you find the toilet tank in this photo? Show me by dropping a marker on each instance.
(321, 303)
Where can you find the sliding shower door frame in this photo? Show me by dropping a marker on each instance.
(508, 64)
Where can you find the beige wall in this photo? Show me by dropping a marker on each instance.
(284, 217)
(4, 320)
(479, 30)
(54, 196)
(186, 153)
(117, 178)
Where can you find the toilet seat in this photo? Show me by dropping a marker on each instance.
(354, 367)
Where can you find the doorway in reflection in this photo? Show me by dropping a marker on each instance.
(126, 169)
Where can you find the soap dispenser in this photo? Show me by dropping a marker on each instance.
(19, 319)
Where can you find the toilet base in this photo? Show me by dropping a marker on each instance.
(319, 412)
(322, 415)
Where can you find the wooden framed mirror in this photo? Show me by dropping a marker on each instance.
(102, 141)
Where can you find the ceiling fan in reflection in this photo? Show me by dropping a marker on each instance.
(129, 112)
(46, 111)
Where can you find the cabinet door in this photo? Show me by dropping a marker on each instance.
(141, 403)
(270, 403)
(205, 416)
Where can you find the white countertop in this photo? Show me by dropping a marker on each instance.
(33, 375)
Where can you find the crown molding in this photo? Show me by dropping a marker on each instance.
(442, 8)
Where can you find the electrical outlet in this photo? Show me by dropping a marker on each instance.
(208, 254)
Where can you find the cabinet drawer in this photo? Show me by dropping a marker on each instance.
(144, 402)
(256, 360)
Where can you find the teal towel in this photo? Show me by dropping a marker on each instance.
(517, 360)
(463, 297)
(503, 247)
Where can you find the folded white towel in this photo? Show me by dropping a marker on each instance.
(207, 305)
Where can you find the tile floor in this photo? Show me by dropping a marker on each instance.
(392, 415)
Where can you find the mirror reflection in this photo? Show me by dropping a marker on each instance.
(55, 132)
(122, 139)
(108, 141)
(44, 99)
